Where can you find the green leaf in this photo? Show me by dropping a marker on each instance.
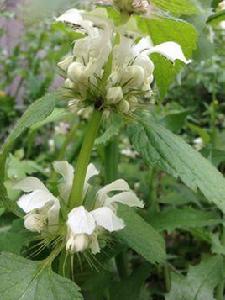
(113, 126)
(160, 147)
(57, 115)
(183, 218)
(15, 238)
(163, 30)
(200, 281)
(141, 236)
(177, 7)
(216, 18)
(21, 279)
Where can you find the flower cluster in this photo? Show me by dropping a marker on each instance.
(132, 6)
(110, 69)
(42, 208)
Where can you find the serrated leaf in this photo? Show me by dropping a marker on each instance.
(163, 30)
(200, 281)
(114, 125)
(177, 7)
(21, 279)
(141, 236)
(183, 218)
(160, 147)
(15, 238)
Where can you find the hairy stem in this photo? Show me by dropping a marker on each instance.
(76, 197)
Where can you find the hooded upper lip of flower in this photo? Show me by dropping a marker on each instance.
(38, 199)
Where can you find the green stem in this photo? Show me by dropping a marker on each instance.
(76, 197)
(167, 276)
(111, 163)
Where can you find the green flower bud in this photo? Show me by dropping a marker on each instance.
(124, 107)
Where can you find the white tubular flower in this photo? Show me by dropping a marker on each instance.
(40, 206)
(125, 196)
(132, 6)
(77, 73)
(64, 64)
(84, 227)
(91, 52)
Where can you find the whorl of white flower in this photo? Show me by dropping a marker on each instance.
(90, 53)
(83, 227)
(40, 206)
(132, 6)
(131, 70)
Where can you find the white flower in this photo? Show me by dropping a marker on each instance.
(40, 206)
(132, 6)
(91, 52)
(132, 70)
(64, 64)
(67, 172)
(83, 227)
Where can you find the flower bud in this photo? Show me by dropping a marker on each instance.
(133, 77)
(114, 95)
(124, 107)
(69, 84)
(132, 6)
(76, 73)
(34, 222)
(64, 64)
(145, 62)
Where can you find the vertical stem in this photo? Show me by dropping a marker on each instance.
(111, 163)
(83, 160)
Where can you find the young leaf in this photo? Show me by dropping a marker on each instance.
(164, 30)
(21, 279)
(199, 282)
(141, 236)
(177, 7)
(114, 125)
(160, 147)
(183, 218)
